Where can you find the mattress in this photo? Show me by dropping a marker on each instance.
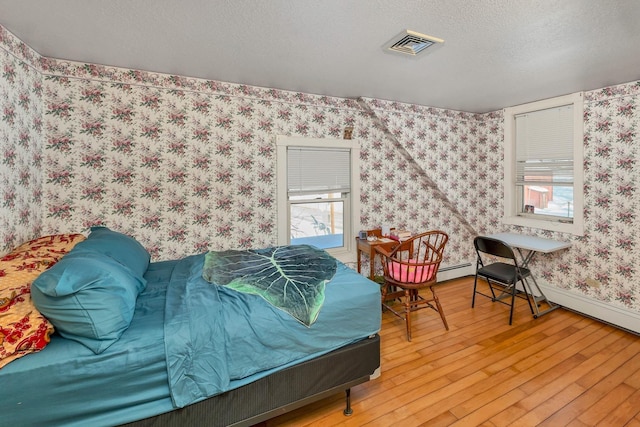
(67, 384)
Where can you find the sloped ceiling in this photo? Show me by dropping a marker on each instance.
(497, 53)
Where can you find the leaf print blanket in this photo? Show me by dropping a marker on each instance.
(217, 339)
(291, 278)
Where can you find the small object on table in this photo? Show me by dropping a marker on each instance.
(400, 235)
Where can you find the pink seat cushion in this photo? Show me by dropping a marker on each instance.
(411, 274)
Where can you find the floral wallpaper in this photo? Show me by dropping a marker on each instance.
(461, 156)
(20, 143)
(181, 170)
(610, 249)
(185, 165)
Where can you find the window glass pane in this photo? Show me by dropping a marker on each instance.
(320, 224)
(555, 200)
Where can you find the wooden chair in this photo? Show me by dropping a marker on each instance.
(410, 267)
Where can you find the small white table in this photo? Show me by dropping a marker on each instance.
(533, 245)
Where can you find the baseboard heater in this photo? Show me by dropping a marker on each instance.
(455, 271)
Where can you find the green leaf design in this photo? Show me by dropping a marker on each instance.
(291, 278)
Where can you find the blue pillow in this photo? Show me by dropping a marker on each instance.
(124, 249)
(88, 297)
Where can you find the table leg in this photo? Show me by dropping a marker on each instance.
(372, 259)
(536, 299)
(525, 259)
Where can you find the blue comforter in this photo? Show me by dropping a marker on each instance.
(207, 341)
(215, 337)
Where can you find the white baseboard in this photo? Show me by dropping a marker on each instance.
(618, 316)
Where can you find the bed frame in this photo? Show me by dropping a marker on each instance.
(281, 391)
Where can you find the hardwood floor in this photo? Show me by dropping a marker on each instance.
(559, 370)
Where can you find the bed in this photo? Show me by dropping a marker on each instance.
(185, 345)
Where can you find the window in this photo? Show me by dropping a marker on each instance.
(318, 194)
(543, 164)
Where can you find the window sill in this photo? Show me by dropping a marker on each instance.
(560, 227)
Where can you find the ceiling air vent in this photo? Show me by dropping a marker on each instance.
(412, 43)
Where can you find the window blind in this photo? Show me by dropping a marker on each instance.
(544, 146)
(312, 170)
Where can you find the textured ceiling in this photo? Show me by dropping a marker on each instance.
(497, 53)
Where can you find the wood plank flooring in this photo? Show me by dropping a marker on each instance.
(562, 369)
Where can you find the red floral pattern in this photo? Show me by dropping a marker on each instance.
(23, 329)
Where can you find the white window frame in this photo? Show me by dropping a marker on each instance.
(511, 216)
(347, 253)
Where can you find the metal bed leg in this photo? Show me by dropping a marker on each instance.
(348, 411)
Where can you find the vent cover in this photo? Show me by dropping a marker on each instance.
(412, 43)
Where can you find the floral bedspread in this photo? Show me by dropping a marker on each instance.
(23, 329)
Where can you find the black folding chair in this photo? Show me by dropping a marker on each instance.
(503, 272)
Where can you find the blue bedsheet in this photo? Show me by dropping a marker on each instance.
(211, 346)
(66, 384)
(216, 337)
